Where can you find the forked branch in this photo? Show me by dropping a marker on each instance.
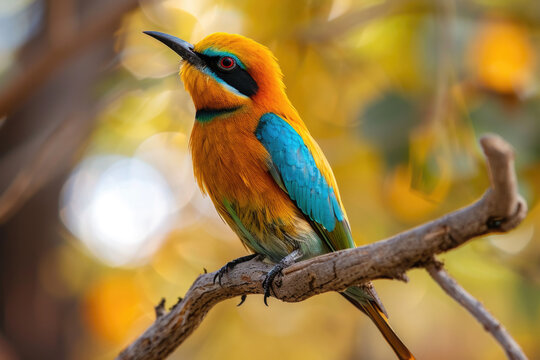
(499, 210)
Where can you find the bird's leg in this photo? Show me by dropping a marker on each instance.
(285, 262)
(231, 264)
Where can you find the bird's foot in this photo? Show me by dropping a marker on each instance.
(269, 279)
(271, 275)
(230, 265)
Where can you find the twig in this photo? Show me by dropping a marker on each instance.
(500, 209)
(160, 308)
(475, 307)
(324, 30)
(443, 47)
(321, 31)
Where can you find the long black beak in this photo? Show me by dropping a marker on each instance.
(181, 47)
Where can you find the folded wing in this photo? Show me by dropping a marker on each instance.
(294, 168)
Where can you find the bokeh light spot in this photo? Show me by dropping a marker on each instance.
(119, 207)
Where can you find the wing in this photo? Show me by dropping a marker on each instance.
(293, 167)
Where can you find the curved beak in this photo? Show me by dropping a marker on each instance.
(181, 47)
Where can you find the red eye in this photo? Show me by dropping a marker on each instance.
(227, 63)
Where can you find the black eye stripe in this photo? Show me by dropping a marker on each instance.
(236, 77)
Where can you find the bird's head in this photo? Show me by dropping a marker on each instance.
(225, 71)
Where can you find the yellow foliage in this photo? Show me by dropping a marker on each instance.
(387, 44)
(502, 57)
(412, 204)
(406, 203)
(112, 306)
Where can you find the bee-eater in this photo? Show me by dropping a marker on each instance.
(255, 159)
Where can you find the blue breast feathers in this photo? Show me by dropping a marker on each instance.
(294, 163)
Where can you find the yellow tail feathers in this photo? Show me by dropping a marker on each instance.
(375, 313)
(382, 324)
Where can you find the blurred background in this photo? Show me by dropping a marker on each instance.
(100, 216)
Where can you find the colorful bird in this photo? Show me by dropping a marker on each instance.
(256, 160)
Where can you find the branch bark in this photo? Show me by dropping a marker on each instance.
(476, 309)
(500, 209)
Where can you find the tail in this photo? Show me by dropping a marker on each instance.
(372, 309)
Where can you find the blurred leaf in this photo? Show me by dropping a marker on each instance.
(113, 306)
(387, 123)
(407, 203)
(426, 175)
(430, 164)
(502, 57)
(518, 124)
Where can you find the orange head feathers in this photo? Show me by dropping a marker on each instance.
(227, 71)
(246, 59)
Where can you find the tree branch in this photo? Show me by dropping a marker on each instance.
(500, 209)
(476, 309)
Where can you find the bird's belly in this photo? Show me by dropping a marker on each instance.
(231, 167)
(262, 215)
(274, 238)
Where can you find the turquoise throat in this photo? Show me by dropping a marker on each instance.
(205, 115)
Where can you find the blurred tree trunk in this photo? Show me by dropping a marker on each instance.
(50, 107)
